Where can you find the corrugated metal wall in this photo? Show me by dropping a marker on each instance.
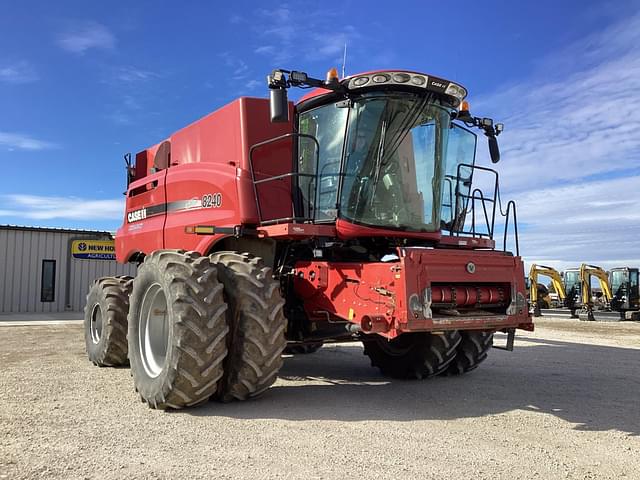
(21, 253)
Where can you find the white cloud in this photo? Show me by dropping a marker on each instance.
(19, 72)
(265, 50)
(46, 208)
(310, 35)
(120, 117)
(594, 222)
(238, 67)
(85, 36)
(573, 125)
(131, 74)
(571, 151)
(20, 141)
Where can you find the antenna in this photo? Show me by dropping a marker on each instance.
(344, 59)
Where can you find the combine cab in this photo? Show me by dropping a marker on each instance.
(268, 226)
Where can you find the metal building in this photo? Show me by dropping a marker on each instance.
(49, 270)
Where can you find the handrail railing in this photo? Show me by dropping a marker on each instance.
(294, 174)
(468, 207)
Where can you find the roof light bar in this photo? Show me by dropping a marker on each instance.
(407, 78)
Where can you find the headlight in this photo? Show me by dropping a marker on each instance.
(456, 91)
(360, 81)
(401, 77)
(380, 78)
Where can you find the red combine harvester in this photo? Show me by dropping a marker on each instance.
(350, 216)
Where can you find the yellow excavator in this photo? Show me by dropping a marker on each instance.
(626, 292)
(580, 294)
(538, 293)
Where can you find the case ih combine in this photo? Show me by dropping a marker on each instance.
(347, 217)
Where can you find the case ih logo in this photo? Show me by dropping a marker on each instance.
(137, 215)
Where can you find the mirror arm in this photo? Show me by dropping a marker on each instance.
(490, 130)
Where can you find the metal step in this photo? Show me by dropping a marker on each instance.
(603, 316)
(556, 312)
(633, 316)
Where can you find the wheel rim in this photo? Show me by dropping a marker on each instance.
(153, 336)
(95, 326)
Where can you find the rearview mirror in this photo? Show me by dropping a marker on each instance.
(494, 150)
(279, 105)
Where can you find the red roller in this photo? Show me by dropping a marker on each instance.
(467, 295)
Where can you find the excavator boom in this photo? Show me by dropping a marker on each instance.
(556, 280)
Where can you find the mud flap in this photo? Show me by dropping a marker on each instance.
(511, 336)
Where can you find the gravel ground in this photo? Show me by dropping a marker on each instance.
(564, 404)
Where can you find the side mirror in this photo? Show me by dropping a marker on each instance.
(279, 105)
(494, 150)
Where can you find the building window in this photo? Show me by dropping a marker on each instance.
(48, 288)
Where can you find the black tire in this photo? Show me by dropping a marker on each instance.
(184, 368)
(471, 351)
(302, 348)
(412, 355)
(105, 321)
(257, 325)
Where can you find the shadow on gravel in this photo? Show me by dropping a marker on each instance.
(595, 387)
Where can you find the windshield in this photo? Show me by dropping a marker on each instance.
(618, 278)
(393, 162)
(388, 160)
(571, 280)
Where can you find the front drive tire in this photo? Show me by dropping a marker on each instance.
(105, 321)
(415, 355)
(257, 325)
(177, 329)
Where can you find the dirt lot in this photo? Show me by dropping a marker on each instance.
(564, 404)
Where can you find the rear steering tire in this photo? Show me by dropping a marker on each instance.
(177, 329)
(257, 323)
(412, 355)
(105, 321)
(471, 352)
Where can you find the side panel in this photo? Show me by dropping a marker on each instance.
(199, 194)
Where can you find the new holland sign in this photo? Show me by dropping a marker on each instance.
(93, 249)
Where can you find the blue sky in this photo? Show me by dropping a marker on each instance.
(81, 83)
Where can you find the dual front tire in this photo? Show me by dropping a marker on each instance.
(105, 321)
(202, 327)
(177, 329)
